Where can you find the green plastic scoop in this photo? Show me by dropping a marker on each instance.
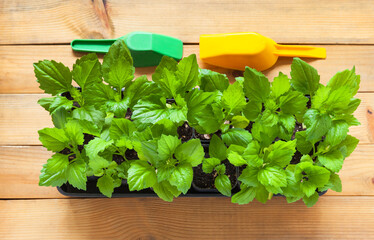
(146, 48)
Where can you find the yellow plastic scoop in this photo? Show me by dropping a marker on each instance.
(237, 50)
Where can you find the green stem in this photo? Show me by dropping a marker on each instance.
(119, 93)
(228, 114)
(72, 161)
(78, 154)
(75, 151)
(122, 153)
(77, 96)
(314, 150)
(270, 195)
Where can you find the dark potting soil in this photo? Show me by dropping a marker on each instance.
(65, 151)
(68, 96)
(298, 127)
(131, 154)
(240, 169)
(118, 159)
(249, 127)
(207, 136)
(206, 181)
(185, 132)
(87, 138)
(296, 157)
(203, 136)
(128, 114)
(309, 103)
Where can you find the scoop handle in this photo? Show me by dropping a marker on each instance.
(299, 51)
(92, 45)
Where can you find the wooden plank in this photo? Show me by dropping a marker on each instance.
(21, 117)
(17, 74)
(21, 165)
(288, 21)
(19, 173)
(357, 173)
(187, 218)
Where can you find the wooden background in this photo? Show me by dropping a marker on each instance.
(42, 29)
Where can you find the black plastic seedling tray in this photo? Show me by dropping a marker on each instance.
(123, 190)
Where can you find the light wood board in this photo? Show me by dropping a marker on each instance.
(42, 29)
(21, 165)
(301, 21)
(332, 217)
(17, 73)
(21, 117)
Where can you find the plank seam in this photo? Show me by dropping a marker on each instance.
(68, 198)
(195, 43)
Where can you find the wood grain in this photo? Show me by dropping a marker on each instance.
(19, 173)
(357, 173)
(288, 21)
(301, 21)
(186, 218)
(21, 117)
(17, 74)
(21, 165)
